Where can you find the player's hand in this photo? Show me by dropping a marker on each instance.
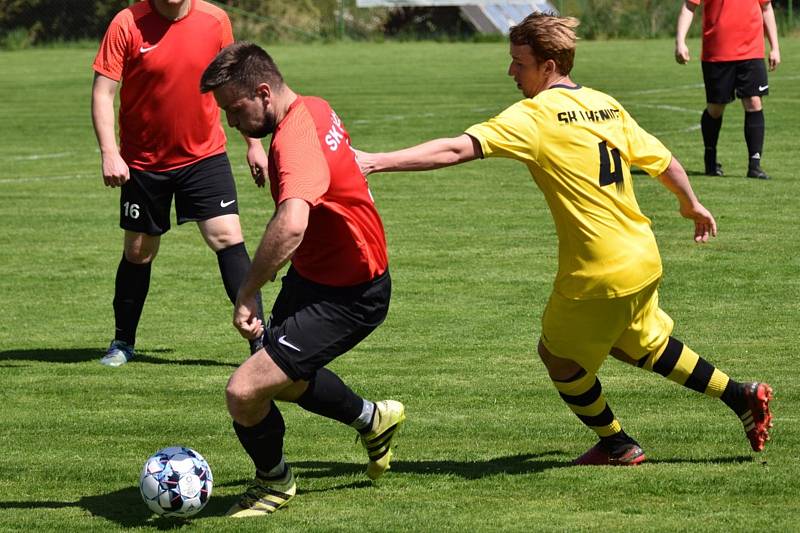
(115, 170)
(257, 162)
(681, 53)
(364, 160)
(245, 318)
(704, 223)
(774, 59)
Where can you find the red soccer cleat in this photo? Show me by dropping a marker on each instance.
(597, 455)
(757, 419)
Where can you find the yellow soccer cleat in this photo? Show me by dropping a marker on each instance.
(389, 414)
(265, 496)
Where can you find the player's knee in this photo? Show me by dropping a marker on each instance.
(243, 402)
(140, 248)
(221, 242)
(139, 255)
(557, 367)
(752, 103)
(222, 232)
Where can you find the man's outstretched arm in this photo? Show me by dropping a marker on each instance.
(430, 155)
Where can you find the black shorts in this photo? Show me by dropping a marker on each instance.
(727, 80)
(312, 324)
(203, 190)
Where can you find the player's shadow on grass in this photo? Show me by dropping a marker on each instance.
(82, 355)
(125, 508)
(526, 463)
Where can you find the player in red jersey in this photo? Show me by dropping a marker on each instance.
(733, 66)
(336, 291)
(171, 143)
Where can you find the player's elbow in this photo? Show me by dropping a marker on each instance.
(294, 214)
(461, 149)
(294, 231)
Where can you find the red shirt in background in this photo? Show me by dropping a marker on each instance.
(164, 120)
(733, 30)
(310, 158)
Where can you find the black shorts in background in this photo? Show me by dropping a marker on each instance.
(727, 80)
(312, 324)
(202, 190)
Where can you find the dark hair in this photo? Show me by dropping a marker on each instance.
(243, 64)
(549, 36)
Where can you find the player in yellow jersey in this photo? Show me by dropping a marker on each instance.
(579, 145)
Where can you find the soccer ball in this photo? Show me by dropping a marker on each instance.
(176, 482)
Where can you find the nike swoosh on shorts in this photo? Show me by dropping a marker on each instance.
(282, 340)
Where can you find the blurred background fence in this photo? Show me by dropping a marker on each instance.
(26, 23)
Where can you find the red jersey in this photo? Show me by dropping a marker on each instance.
(165, 122)
(310, 158)
(733, 30)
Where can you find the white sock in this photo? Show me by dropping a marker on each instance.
(364, 420)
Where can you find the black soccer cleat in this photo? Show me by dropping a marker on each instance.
(714, 170)
(757, 173)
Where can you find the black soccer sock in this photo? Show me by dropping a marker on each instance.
(233, 266)
(733, 396)
(328, 396)
(617, 443)
(710, 127)
(754, 136)
(264, 441)
(130, 291)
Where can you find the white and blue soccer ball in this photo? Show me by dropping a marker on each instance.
(176, 482)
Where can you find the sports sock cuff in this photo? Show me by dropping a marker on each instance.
(576, 385)
(664, 362)
(717, 384)
(276, 472)
(125, 263)
(233, 249)
(365, 419)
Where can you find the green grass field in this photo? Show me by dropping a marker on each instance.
(488, 443)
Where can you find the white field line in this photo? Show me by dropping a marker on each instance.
(662, 89)
(46, 178)
(772, 78)
(37, 157)
(697, 111)
(390, 118)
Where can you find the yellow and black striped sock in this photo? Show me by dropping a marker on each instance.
(681, 364)
(583, 394)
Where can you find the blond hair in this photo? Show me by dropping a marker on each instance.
(549, 36)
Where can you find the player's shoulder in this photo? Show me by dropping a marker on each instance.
(315, 105)
(597, 97)
(211, 10)
(299, 121)
(128, 16)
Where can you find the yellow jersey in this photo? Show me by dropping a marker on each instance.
(579, 145)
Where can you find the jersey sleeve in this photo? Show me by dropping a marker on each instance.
(301, 166)
(512, 134)
(645, 151)
(113, 52)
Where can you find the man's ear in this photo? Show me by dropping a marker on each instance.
(264, 91)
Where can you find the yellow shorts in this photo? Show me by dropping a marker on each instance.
(584, 331)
